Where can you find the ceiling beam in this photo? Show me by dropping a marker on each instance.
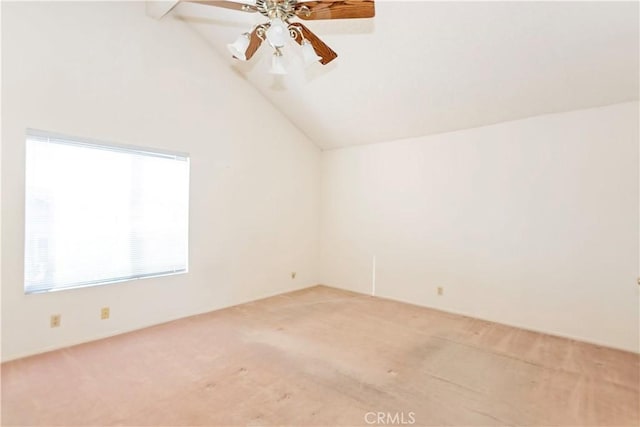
(156, 9)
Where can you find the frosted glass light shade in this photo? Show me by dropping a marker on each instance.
(278, 33)
(239, 47)
(277, 65)
(309, 54)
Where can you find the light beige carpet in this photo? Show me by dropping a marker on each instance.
(322, 356)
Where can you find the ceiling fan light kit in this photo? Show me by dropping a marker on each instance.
(277, 31)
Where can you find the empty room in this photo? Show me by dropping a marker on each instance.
(320, 213)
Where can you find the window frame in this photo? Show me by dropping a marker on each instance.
(57, 138)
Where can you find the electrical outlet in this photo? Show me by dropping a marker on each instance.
(293, 274)
(104, 313)
(440, 290)
(55, 320)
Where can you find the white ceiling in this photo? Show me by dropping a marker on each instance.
(421, 68)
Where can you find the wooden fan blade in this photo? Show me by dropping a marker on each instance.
(226, 4)
(338, 9)
(254, 44)
(322, 50)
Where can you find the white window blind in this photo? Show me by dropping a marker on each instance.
(97, 214)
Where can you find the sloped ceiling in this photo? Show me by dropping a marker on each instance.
(421, 68)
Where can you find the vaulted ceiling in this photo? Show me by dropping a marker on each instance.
(421, 68)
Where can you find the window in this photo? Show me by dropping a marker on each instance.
(98, 214)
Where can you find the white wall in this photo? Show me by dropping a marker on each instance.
(108, 72)
(532, 223)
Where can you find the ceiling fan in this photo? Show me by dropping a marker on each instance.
(277, 30)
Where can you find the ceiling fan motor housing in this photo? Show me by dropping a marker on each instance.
(283, 9)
